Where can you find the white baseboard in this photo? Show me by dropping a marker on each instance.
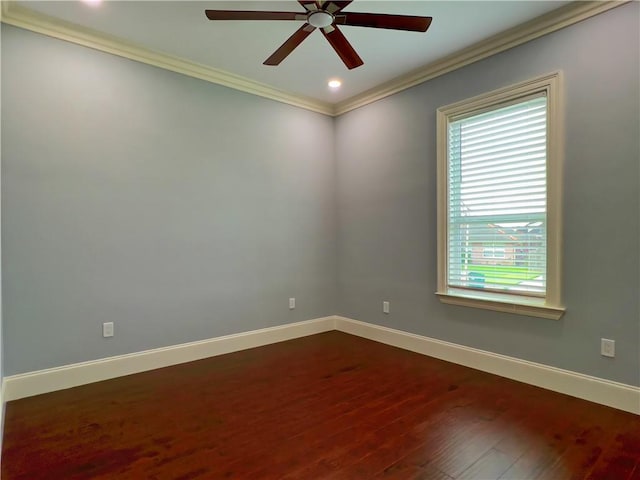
(52, 379)
(598, 390)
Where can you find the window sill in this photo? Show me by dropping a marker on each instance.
(502, 303)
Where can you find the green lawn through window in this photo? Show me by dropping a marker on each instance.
(502, 274)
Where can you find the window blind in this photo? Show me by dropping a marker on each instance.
(497, 234)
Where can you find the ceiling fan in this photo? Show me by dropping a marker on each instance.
(325, 15)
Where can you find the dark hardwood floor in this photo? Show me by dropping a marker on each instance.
(329, 406)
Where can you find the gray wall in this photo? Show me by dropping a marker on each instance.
(387, 203)
(178, 209)
(182, 210)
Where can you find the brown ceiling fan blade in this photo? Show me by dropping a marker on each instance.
(335, 6)
(243, 15)
(309, 5)
(287, 47)
(380, 20)
(342, 47)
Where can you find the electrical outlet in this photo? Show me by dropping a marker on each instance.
(292, 303)
(385, 307)
(107, 329)
(607, 347)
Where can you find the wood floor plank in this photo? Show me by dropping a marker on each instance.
(330, 439)
(549, 440)
(377, 448)
(459, 442)
(621, 457)
(400, 471)
(326, 406)
(491, 465)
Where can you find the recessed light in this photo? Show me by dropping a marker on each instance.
(93, 3)
(333, 84)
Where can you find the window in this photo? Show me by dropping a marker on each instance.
(499, 179)
(493, 252)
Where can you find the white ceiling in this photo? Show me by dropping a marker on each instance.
(180, 28)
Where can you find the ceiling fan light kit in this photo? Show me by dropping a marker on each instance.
(326, 15)
(320, 19)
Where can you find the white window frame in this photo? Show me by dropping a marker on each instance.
(550, 306)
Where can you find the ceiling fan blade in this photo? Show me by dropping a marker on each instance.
(342, 47)
(309, 5)
(380, 20)
(287, 47)
(335, 6)
(243, 15)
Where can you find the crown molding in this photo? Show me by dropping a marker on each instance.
(560, 18)
(18, 16)
(4, 5)
(568, 15)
